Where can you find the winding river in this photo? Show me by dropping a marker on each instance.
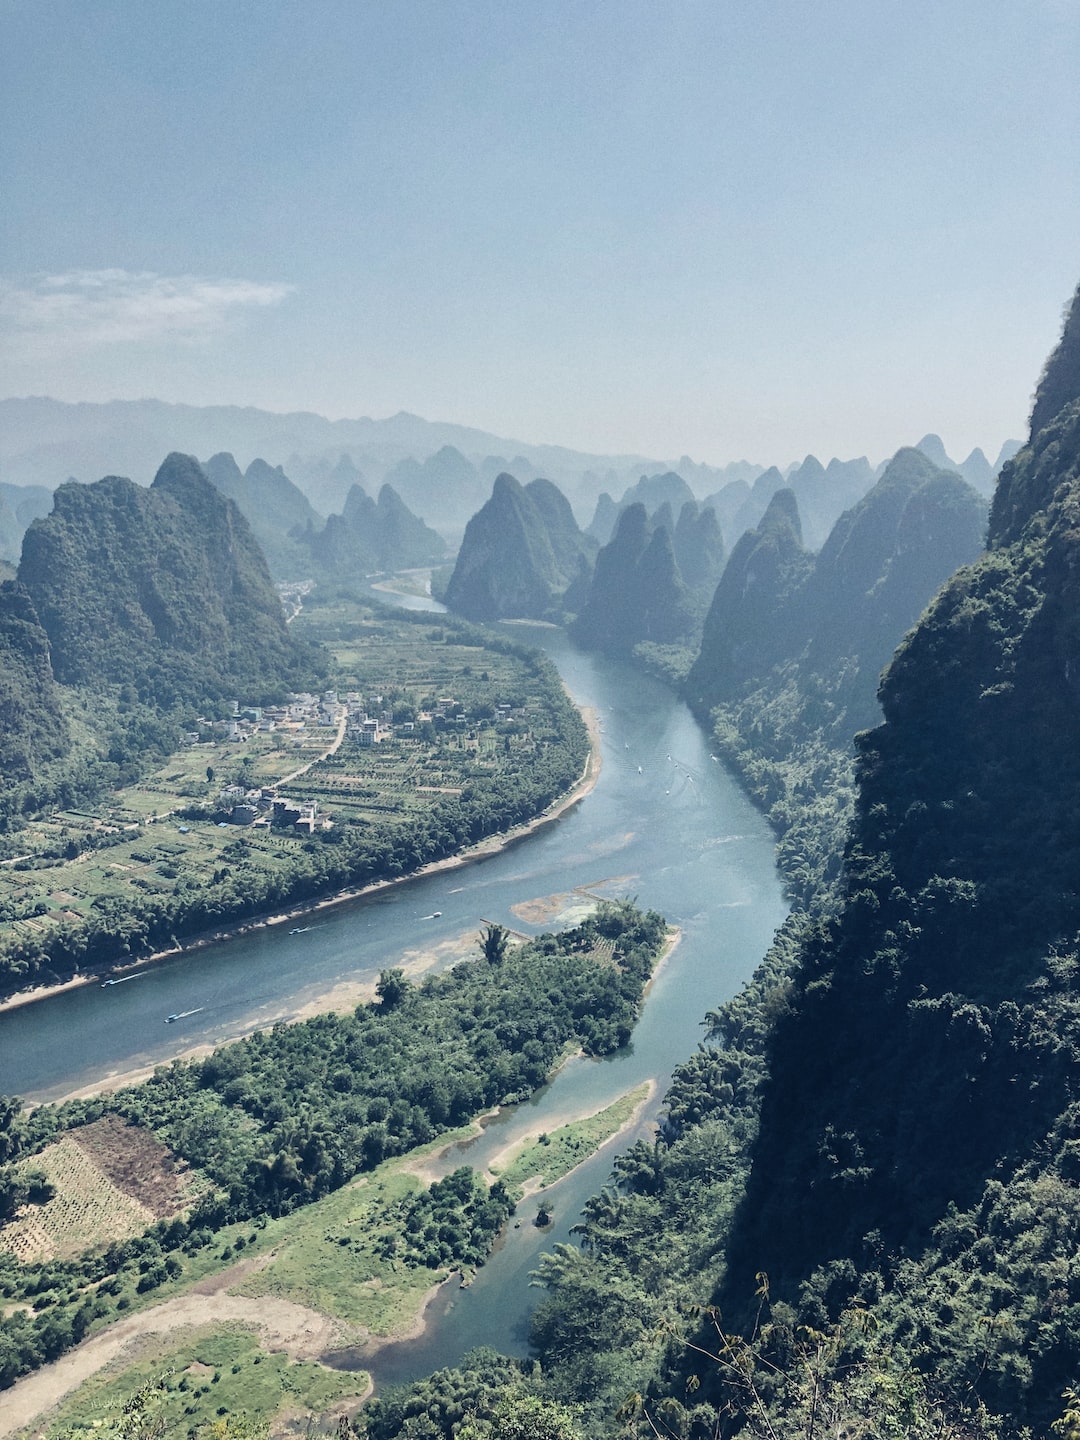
(665, 824)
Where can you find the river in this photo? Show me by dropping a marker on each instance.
(665, 824)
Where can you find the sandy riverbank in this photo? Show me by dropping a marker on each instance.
(481, 850)
(427, 1167)
(303, 1332)
(571, 1115)
(345, 995)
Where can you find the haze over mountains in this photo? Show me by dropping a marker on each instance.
(522, 556)
(442, 471)
(890, 1127)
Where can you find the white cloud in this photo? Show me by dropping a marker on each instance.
(89, 308)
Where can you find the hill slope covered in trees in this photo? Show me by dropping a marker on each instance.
(373, 535)
(164, 590)
(521, 554)
(921, 1120)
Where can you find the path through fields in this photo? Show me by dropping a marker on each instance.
(302, 1333)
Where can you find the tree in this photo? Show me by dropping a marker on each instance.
(392, 988)
(494, 942)
(523, 1417)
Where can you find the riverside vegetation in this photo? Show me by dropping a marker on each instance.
(861, 1214)
(129, 870)
(274, 1123)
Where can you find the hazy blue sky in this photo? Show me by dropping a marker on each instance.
(745, 227)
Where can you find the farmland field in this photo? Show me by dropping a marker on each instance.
(465, 728)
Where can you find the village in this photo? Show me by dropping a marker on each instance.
(257, 794)
(356, 719)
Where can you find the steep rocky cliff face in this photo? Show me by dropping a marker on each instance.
(752, 624)
(521, 554)
(699, 548)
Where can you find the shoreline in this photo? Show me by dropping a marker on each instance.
(505, 1155)
(481, 850)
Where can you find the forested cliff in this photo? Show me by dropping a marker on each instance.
(919, 1126)
(861, 1217)
(521, 554)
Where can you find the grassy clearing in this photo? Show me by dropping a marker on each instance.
(212, 1373)
(549, 1157)
(330, 1259)
(330, 1256)
(333, 1255)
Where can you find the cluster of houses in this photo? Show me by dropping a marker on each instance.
(299, 712)
(367, 722)
(264, 807)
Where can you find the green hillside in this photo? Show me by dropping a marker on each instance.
(521, 554)
(33, 731)
(164, 589)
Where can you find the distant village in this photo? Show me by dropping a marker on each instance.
(364, 720)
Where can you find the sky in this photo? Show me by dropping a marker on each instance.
(743, 228)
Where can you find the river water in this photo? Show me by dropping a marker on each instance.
(664, 824)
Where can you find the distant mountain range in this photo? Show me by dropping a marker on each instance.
(45, 442)
(442, 471)
(825, 625)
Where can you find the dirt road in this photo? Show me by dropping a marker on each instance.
(302, 1333)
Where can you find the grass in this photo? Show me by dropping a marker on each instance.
(333, 1255)
(327, 1256)
(549, 1157)
(330, 1256)
(212, 1372)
